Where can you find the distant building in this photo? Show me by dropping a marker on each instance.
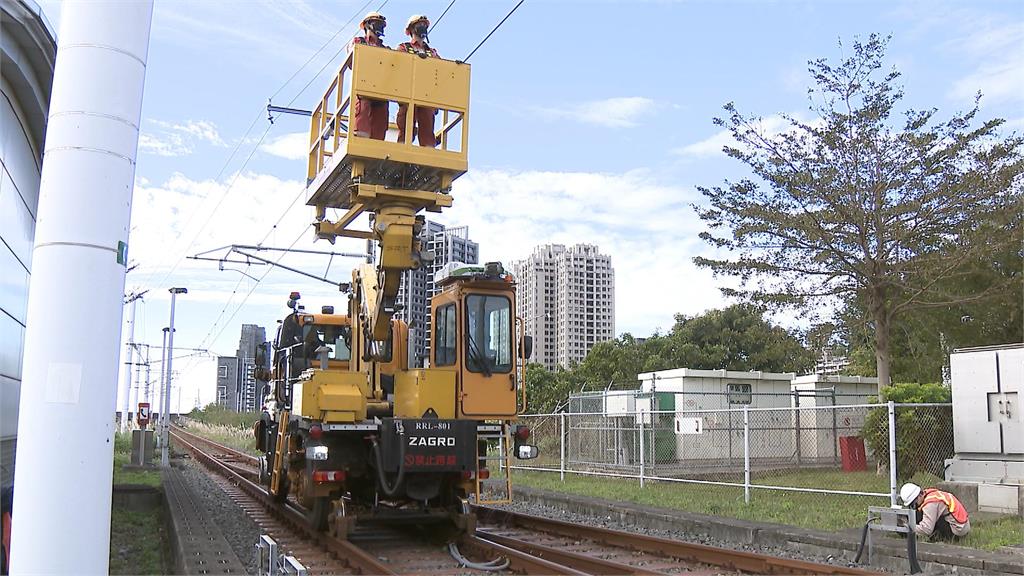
(830, 363)
(566, 297)
(227, 381)
(447, 245)
(28, 51)
(238, 389)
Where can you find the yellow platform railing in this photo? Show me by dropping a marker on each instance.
(339, 158)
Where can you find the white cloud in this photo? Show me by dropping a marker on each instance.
(645, 225)
(712, 146)
(178, 139)
(294, 146)
(994, 44)
(620, 112)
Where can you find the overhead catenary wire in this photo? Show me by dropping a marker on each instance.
(432, 26)
(220, 174)
(328, 63)
(320, 49)
(495, 29)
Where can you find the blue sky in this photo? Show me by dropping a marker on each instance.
(591, 122)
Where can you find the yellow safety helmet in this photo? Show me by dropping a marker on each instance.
(415, 20)
(370, 17)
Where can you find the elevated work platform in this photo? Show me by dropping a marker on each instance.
(339, 159)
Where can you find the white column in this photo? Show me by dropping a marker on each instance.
(126, 383)
(69, 387)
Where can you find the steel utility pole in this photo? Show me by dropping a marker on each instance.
(130, 350)
(160, 392)
(164, 461)
(65, 430)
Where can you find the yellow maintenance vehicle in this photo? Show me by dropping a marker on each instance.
(350, 430)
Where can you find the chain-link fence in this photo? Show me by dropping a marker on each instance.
(842, 451)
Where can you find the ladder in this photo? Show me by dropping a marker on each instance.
(497, 489)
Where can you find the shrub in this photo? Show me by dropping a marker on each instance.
(924, 435)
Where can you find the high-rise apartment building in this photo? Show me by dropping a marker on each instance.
(566, 297)
(238, 388)
(448, 245)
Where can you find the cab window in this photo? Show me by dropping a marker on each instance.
(444, 335)
(335, 337)
(488, 334)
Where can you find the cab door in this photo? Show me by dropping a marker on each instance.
(487, 354)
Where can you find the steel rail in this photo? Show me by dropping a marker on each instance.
(582, 562)
(342, 549)
(735, 559)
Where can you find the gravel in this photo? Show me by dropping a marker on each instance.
(239, 530)
(528, 507)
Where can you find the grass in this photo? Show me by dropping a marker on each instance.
(806, 510)
(239, 438)
(122, 456)
(996, 532)
(137, 542)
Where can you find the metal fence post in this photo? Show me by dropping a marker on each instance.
(799, 447)
(746, 454)
(892, 454)
(561, 448)
(642, 447)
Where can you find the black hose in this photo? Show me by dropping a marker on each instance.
(915, 568)
(863, 540)
(390, 490)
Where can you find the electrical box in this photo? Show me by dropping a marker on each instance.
(986, 400)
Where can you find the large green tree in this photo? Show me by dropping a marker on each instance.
(900, 214)
(733, 338)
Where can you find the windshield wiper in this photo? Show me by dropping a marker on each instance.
(478, 357)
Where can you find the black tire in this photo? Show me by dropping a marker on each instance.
(318, 513)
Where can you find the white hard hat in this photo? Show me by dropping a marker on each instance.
(909, 493)
(370, 17)
(415, 19)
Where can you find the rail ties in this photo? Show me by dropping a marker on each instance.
(629, 553)
(531, 544)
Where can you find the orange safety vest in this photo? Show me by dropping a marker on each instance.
(956, 508)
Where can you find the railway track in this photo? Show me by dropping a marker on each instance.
(521, 543)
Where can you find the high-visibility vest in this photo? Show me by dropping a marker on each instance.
(955, 507)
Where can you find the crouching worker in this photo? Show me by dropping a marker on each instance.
(939, 514)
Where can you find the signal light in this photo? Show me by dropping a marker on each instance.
(316, 432)
(484, 474)
(522, 433)
(468, 474)
(294, 296)
(329, 476)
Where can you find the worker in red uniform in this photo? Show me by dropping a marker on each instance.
(6, 504)
(371, 116)
(422, 116)
(939, 514)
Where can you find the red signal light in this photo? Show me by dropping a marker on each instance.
(329, 476)
(522, 433)
(316, 432)
(484, 474)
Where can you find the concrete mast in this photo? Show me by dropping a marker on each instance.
(69, 388)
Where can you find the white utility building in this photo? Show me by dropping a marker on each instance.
(988, 426)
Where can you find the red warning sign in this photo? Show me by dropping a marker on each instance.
(142, 416)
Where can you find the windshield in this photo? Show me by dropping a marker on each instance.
(335, 337)
(488, 334)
